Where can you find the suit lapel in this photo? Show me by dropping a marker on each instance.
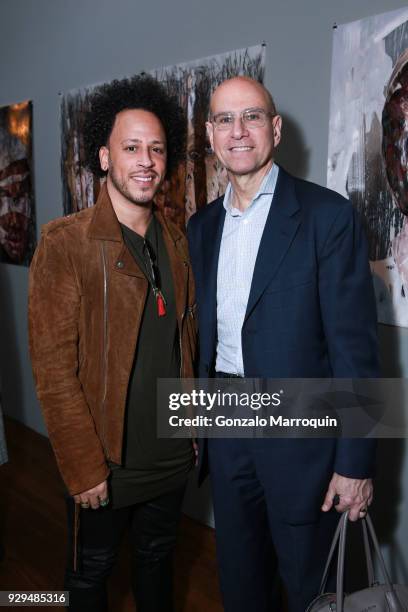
(176, 248)
(211, 237)
(125, 263)
(281, 226)
(212, 234)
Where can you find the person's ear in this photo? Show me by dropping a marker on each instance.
(277, 129)
(104, 158)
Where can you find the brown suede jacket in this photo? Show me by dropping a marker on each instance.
(86, 300)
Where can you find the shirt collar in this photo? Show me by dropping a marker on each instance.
(267, 187)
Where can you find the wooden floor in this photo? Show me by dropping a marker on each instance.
(32, 531)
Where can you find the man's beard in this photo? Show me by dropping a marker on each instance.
(140, 199)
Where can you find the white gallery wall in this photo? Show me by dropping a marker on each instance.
(51, 46)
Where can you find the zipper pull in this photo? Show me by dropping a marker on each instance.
(161, 303)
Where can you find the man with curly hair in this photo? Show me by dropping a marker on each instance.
(110, 311)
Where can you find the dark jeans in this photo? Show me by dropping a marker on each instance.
(153, 527)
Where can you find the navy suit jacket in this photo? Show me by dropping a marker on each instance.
(311, 309)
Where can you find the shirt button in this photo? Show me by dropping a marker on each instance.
(245, 222)
(120, 265)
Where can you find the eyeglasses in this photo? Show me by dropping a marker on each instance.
(251, 118)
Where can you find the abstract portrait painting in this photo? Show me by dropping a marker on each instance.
(368, 146)
(17, 212)
(200, 178)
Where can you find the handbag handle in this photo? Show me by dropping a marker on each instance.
(391, 595)
(367, 550)
(330, 558)
(368, 556)
(377, 549)
(340, 538)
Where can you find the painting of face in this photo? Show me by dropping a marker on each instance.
(17, 218)
(368, 146)
(395, 139)
(80, 188)
(201, 177)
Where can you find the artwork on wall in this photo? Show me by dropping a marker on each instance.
(368, 146)
(17, 212)
(200, 178)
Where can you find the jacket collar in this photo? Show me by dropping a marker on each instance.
(174, 234)
(280, 228)
(105, 224)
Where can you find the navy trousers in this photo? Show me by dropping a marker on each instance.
(256, 546)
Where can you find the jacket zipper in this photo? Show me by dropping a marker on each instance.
(189, 310)
(105, 342)
(181, 343)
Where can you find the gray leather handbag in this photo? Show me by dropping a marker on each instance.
(384, 597)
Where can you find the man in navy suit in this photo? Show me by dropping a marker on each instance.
(284, 291)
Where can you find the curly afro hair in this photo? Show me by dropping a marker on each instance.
(143, 92)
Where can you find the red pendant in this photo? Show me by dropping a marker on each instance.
(161, 305)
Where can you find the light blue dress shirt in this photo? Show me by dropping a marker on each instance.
(240, 241)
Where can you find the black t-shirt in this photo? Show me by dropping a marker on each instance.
(151, 466)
